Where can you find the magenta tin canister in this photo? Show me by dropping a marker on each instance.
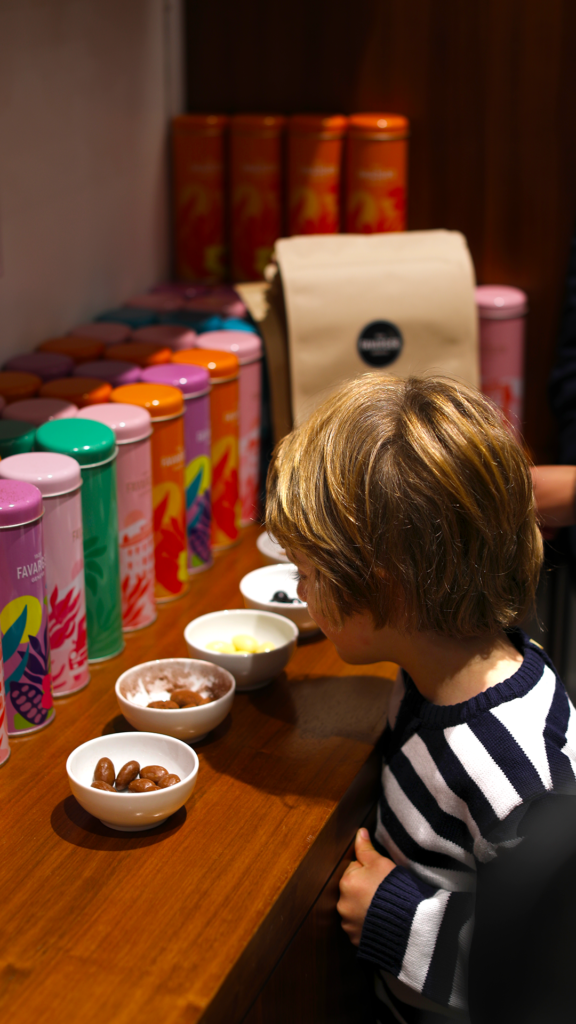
(248, 348)
(4, 745)
(58, 479)
(173, 336)
(115, 371)
(502, 311)
(132, 429)
(47, 365)
(194, 383)
(40, 410)
(24, 609)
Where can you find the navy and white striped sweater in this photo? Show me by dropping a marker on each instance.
(456, 783)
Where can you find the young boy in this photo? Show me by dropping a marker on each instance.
(408, 510)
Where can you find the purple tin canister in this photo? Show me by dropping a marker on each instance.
(172, 336)
(194, 383)
(4, 745)
(24, 609)
(114, 371)
(58, 479)
(132, 428)
(47, 365)
(247, 346)
(40, 410)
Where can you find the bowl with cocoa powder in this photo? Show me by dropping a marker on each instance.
(181, 697)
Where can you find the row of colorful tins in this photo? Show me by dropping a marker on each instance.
(231, 170)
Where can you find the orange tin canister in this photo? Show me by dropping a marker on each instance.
(81, 391)
(81, 350)
(314, 163)
(166, 407)
(198, 150)
(376, 173)
(142, 353)
(256, 192)
(224, 369)
(16, 386)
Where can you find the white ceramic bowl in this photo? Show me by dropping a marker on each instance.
(132, 812)
(271, 550)
(156, 680)
(251, 671)
(258, 587)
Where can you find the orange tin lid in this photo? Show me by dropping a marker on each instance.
(379, 126)
(200, 122)
(221, 366)
(270, 124)
(325, 125)
(143, 353)
(15, 386)
(81, 350)
(162, 401)
(79, 390)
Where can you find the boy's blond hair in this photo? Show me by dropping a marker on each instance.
(411, 500)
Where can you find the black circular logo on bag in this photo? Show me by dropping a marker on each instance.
(380, 343)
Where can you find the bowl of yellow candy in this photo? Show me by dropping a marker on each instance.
(254, 646)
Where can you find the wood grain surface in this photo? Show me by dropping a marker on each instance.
(187, 921)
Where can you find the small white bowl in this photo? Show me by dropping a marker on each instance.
(132, 812)
(156, 680)
(257, 588)
(271, 550)
(251, 671)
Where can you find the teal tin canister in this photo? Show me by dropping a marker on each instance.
(93, 445)
(16, 437)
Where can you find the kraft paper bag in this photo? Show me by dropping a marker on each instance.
(339, 306)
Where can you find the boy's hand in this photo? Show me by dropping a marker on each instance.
(359, 883)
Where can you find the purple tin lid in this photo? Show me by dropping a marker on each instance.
(193, 381)
(500, 302)
(47, 365)
(244, 344)
(115, 371)
(108, 332)
(174, 336)
(51, 473)
(20, 503)
(40, 410)
(129, 422)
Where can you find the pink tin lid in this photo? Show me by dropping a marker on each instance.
(106, 331)
(20, 503)
(115, 371)
(51, 473)
(159, 301)
(174, 336)
(129, 422)
(40, 410)
(500, 302)
(246, 345)
(193, 381)
(47, 365)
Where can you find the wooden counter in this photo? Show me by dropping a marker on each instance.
(207, 917)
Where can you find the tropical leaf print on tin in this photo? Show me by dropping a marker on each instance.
(93, 572)
(12, 637)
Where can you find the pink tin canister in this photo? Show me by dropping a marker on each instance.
(24, 609)
(173, 336)
(194, 383)
(40, 410)
(107, 331)
(58, 479)
(47, 365)
(247, 347)
(114, 371)
(132, 428)
(502, 311)
(4, 745)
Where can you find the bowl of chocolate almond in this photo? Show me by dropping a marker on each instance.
(181, 697)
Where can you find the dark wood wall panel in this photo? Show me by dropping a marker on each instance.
(490, 89)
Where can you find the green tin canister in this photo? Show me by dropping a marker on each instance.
(16, 437)
(93, 445)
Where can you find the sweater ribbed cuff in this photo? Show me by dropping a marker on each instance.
(388, 921)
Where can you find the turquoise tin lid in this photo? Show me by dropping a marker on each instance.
(87, 441)
(16, 437)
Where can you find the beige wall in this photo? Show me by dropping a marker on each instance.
(85, 90)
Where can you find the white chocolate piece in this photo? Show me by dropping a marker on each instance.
(245, 644)
(221, 647)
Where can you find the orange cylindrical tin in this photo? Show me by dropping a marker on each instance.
(166, 407)
(376, 173)
(143, 353)
(198, 162)
(81, 391)
(314, 164)
(256, 192)
(224, 369)
(15, 386)
(81, 350)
